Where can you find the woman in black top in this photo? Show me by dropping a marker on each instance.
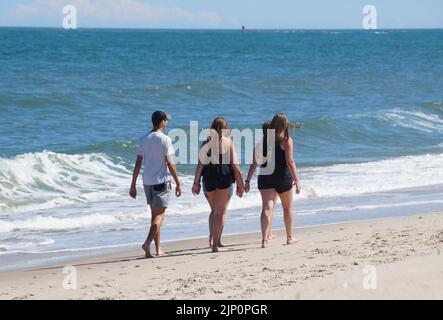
(220, 169)
(277, 176)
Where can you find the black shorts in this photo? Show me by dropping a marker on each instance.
(280, 182)
(223, 182)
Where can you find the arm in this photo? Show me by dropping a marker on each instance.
(237, 171)
(173, 170)
(138, 165)
(250, 173)
(289, 154)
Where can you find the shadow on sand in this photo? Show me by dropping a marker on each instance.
(171, 254)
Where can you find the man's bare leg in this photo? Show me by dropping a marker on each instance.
(158, 248)
(157, 219)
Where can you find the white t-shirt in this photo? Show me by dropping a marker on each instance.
(154, 147)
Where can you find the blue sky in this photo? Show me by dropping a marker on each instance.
(307, 14)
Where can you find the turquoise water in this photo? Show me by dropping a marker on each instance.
(73, 105)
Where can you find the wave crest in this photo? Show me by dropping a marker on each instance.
(47, 179)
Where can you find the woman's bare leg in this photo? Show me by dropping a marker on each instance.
(211, 201)
(267, 196)
(271, 236)
(220, 206)
(219, 243)
(286, 201)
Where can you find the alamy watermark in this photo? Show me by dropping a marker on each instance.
(70, 18)
(70, 281)
(370, 20)
(370, 279)
(207, 146)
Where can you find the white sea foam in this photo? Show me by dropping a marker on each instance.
(55, 180)
(107, 207)
(67, 250)
(51, 223)
(384, 175)
(96, 188)
(21, 242)
(360, 178)
(368, 207)
(414, 119)
(35, 181)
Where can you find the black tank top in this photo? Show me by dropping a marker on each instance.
(218, 170)
(280, 158)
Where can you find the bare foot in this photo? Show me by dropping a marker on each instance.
(147, 250)
(292, 240)
(221, 245)
(215, 249)
(272, 236)
(264, 244)
(160, 253)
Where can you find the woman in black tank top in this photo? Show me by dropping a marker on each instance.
(219, 174)
(278, 182)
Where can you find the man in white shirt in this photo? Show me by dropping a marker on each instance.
(157, 152)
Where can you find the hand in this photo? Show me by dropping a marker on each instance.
(247, 186)
(178, 191)
(297, 187)
(196, 187)
(133, 192)
(240, 190)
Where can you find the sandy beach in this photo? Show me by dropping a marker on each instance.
(390, 258)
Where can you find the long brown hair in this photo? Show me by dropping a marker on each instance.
(265, 126)
(220, 125)
(280, 124)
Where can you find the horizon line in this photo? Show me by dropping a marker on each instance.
(222, 29)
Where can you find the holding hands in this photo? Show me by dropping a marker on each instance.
(240, 190)
(247, 186)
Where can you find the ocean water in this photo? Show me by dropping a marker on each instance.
(74, 103)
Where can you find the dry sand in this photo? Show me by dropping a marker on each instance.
(401, 258)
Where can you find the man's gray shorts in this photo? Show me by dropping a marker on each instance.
(158, 196)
